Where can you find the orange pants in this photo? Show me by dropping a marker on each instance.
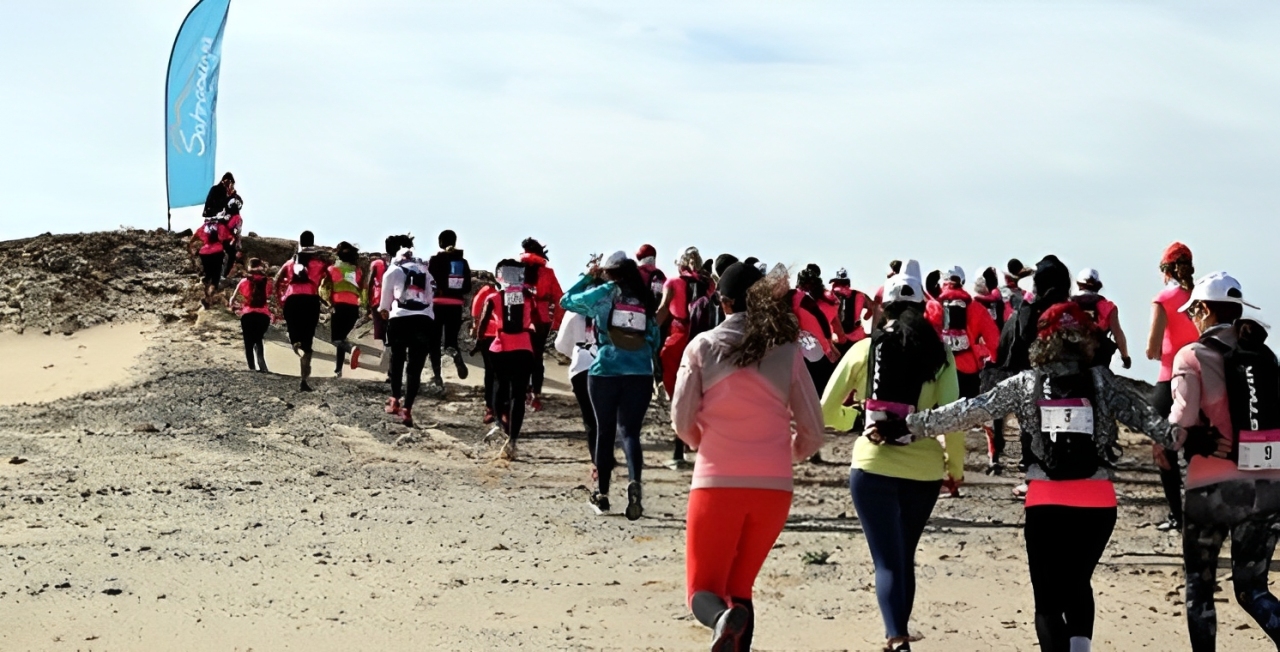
(670, 354)
(729, 534)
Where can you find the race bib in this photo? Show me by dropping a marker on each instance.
(455, 282)
(513, 298)
(633, 320)
(1259, 451)
(1066, 415)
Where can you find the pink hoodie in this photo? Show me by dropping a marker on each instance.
(740, 418)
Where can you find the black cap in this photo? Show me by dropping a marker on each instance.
(735, 281)
(723, 261)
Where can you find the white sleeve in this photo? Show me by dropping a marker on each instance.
(390, 284)
(572, 331)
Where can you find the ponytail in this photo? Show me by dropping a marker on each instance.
(1181, 271)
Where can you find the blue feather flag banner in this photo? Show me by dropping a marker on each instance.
(191, 103)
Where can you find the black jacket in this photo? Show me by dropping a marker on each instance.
(440, 267)
(216, 201)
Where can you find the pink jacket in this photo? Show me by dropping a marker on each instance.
(1199, 385)
(740, 418)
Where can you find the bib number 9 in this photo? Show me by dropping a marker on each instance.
(1259, 451)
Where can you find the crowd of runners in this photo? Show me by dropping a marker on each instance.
(756, 368)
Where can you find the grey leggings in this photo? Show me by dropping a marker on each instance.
(1248, 510)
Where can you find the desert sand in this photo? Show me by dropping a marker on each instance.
(182, 502)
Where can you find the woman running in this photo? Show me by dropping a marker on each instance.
(576, 340)
(675, 319)
(1170, 331)
(345, 281)
(208, 242)
(739, 388)
(406, 307)
(298, 292)
(1226, 494)
(1070, 408)
(511, 350)
(621, 378)
(251, 299)
(1105, 314)
(483, 336)
(902, 366)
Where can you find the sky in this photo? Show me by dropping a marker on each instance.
(839, 133)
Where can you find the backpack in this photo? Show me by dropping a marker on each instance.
(849, 311)
(414, 295)
(628, 324)
(515, 310)
(457, 275)
(657, 281)
(1068, 422)
(891, 392)
(212, 230)
(1253, 396)
(701, 312)
(1012, 297)
(955, 325)
(301, 262)
(258, 291)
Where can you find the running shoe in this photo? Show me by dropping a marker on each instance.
(950, 488)
(488, 416)
(459, 363)
(406, 417)
(679, 465)
(535, 403)
(634, 508)
(355, 358)
(599, 502)
(730, 627)
(304, 386)
(1170, 524)
(438, 383)
(995, 468)
(1020, 491)
(508, 452)
(393, 406)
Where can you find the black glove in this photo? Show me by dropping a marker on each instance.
(894, 432)
(1201, 440)
(1127, 361)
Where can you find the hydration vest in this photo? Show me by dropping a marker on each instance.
(701, 314)
(1253, 394)
(1088, 302)
(258, 291)
(955, 323)
(415, 294)
(1068, 422)
(299, 274)
(891, 392)
(628, 323)
(349, 281)
(849, 311)
(212, 230)
(516, 311)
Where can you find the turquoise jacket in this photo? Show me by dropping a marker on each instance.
(595, 303)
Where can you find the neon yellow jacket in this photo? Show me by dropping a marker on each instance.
(920, 460)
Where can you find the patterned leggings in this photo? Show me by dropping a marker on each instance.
(1249, 511)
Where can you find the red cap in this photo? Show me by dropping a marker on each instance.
(1067, 314)
(1176, 252)
(646, 251)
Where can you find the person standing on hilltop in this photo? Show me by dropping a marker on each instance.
(1170, 331)
(546, 312)
(252, 299)
(739, 388)
(222, 192)
(298, 291)
(407, 296)
(343, 287)
(452, 276)
(615, 298)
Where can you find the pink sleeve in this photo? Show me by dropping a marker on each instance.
(686, 400)
(1186, 388)
(806, 411)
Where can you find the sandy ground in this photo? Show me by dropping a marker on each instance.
(191, 504)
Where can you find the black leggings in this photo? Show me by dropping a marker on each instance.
(1250, 512)
(511, 379)
(230, 251)
(408, 336)
(540, 334)
(485, 355)
(448, 323)
(253, 326)
(1064, 545)
(619, 403)
(1171, 478)
(820, 372)
(580, 392)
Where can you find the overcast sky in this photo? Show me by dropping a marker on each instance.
(840, 133)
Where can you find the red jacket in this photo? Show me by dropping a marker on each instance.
(984, 337)
(547, 292)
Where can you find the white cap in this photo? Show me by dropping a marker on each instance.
(615, 260)
(1219, 287)
(956, 273)
(905, 285)
(1088, 275)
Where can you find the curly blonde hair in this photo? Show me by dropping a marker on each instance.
(770, 321)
